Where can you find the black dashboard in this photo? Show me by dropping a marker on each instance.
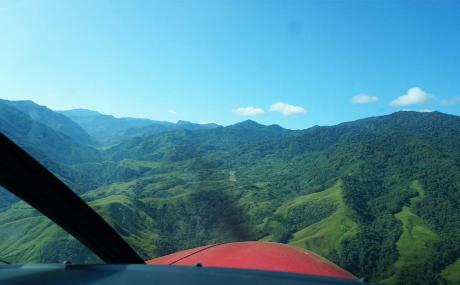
(152, 274)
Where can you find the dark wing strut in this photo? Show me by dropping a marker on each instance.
(29, 180)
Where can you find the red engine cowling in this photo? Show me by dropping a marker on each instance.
(255, 255)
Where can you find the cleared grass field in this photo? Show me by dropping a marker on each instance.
(452, 272)
(326, 235)
(416, 237)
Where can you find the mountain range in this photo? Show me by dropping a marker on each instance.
(106, 129)
(379, 196)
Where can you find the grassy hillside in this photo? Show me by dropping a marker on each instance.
(28, 237)
(417, 236)
(325, 236)
(452, 272)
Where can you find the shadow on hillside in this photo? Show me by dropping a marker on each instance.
(208, 214)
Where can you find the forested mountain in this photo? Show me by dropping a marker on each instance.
(51, 119)
(182, 144)
(379, 196)
(109, 130)
(52, 148)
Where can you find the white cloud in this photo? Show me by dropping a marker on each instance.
(451, 101)
(287, 109)
(173, 112)
(426, 110)
(248, 111)
(363, 99)
(414, 95)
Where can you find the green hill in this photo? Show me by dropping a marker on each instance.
(325, 236)
(452, 272)
(416, 239)
(51, 119)
(54, 149)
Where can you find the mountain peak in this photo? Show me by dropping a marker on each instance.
(195, 126)
(182, 122)
(80, 112)
(247, 124)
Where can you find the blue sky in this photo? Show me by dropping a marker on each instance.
(293, 63)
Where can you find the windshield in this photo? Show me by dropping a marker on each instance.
(331, 126)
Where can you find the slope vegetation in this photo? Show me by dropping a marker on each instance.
(325, 236)
(417, 236)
